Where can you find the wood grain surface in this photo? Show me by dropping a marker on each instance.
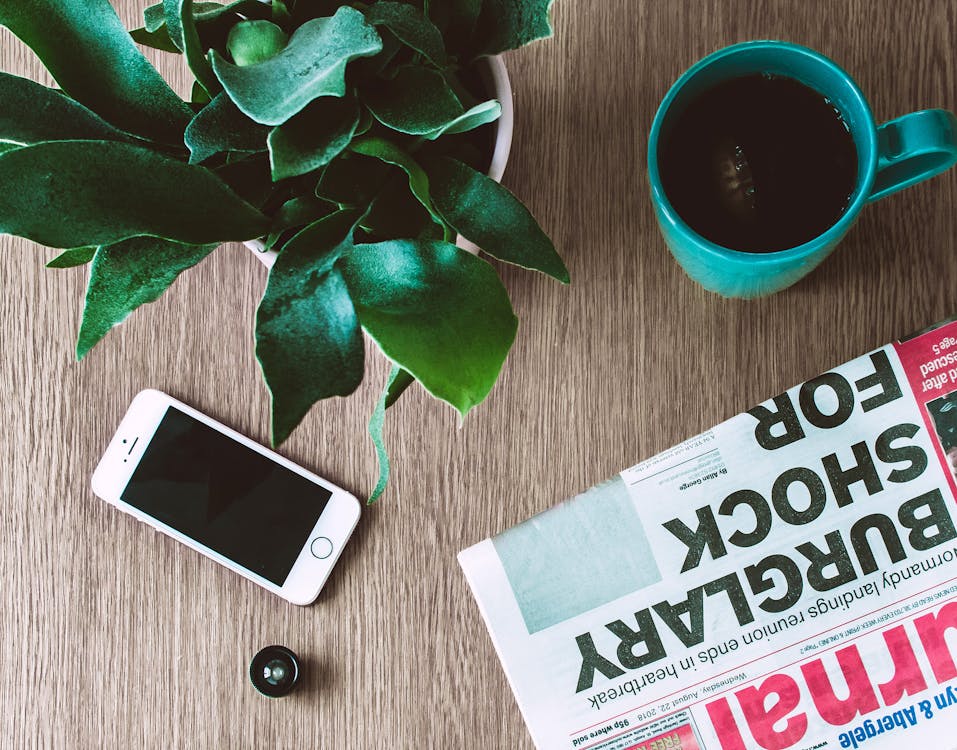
(115, 636)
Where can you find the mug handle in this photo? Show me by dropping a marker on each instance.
(913, 148)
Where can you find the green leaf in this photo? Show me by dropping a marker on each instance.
(396, 386)
(78, 256)
(480, 114)
(398, 381)
(510, 24)
(199, 95)
(158, 39)
(32, 113)
(252, 42)
(437, 311)
(296, 212)
(183, 32)
(418, 101)
(280, 12)
(154, 17)
(366, 121)
(313, 138)
(313, 64)
(91, 55)
(313, 247)
(411, 27)
(490, 216)
(308, 340)
(213, 23)
(74, 193)
(219, 127)
(128, 274)
(380, 148)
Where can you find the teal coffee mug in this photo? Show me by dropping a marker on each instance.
(890, 157)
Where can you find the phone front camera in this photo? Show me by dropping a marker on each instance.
(274, 671)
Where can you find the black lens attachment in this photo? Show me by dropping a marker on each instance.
(274, 671)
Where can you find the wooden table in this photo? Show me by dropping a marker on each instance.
(115, 636)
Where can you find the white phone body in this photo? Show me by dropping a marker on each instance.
(313, 560)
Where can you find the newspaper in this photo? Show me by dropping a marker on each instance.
(787, 579)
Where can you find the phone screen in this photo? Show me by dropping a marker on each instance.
(226, 496)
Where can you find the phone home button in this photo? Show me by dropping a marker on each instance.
(321, 547)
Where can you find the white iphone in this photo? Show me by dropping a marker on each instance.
(226, 496)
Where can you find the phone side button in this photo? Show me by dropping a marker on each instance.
(321, 547)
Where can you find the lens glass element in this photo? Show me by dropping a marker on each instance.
(275, 672)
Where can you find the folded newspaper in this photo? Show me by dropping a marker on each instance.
(787, 579)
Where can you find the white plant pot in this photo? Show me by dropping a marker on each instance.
(495, 76)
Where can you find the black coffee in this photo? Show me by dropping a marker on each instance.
(759, 163)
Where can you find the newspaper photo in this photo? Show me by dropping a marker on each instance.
(787, 579)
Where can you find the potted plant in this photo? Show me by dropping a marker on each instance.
(349, 141)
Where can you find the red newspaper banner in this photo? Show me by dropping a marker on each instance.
(930, 362)
(862, 698)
